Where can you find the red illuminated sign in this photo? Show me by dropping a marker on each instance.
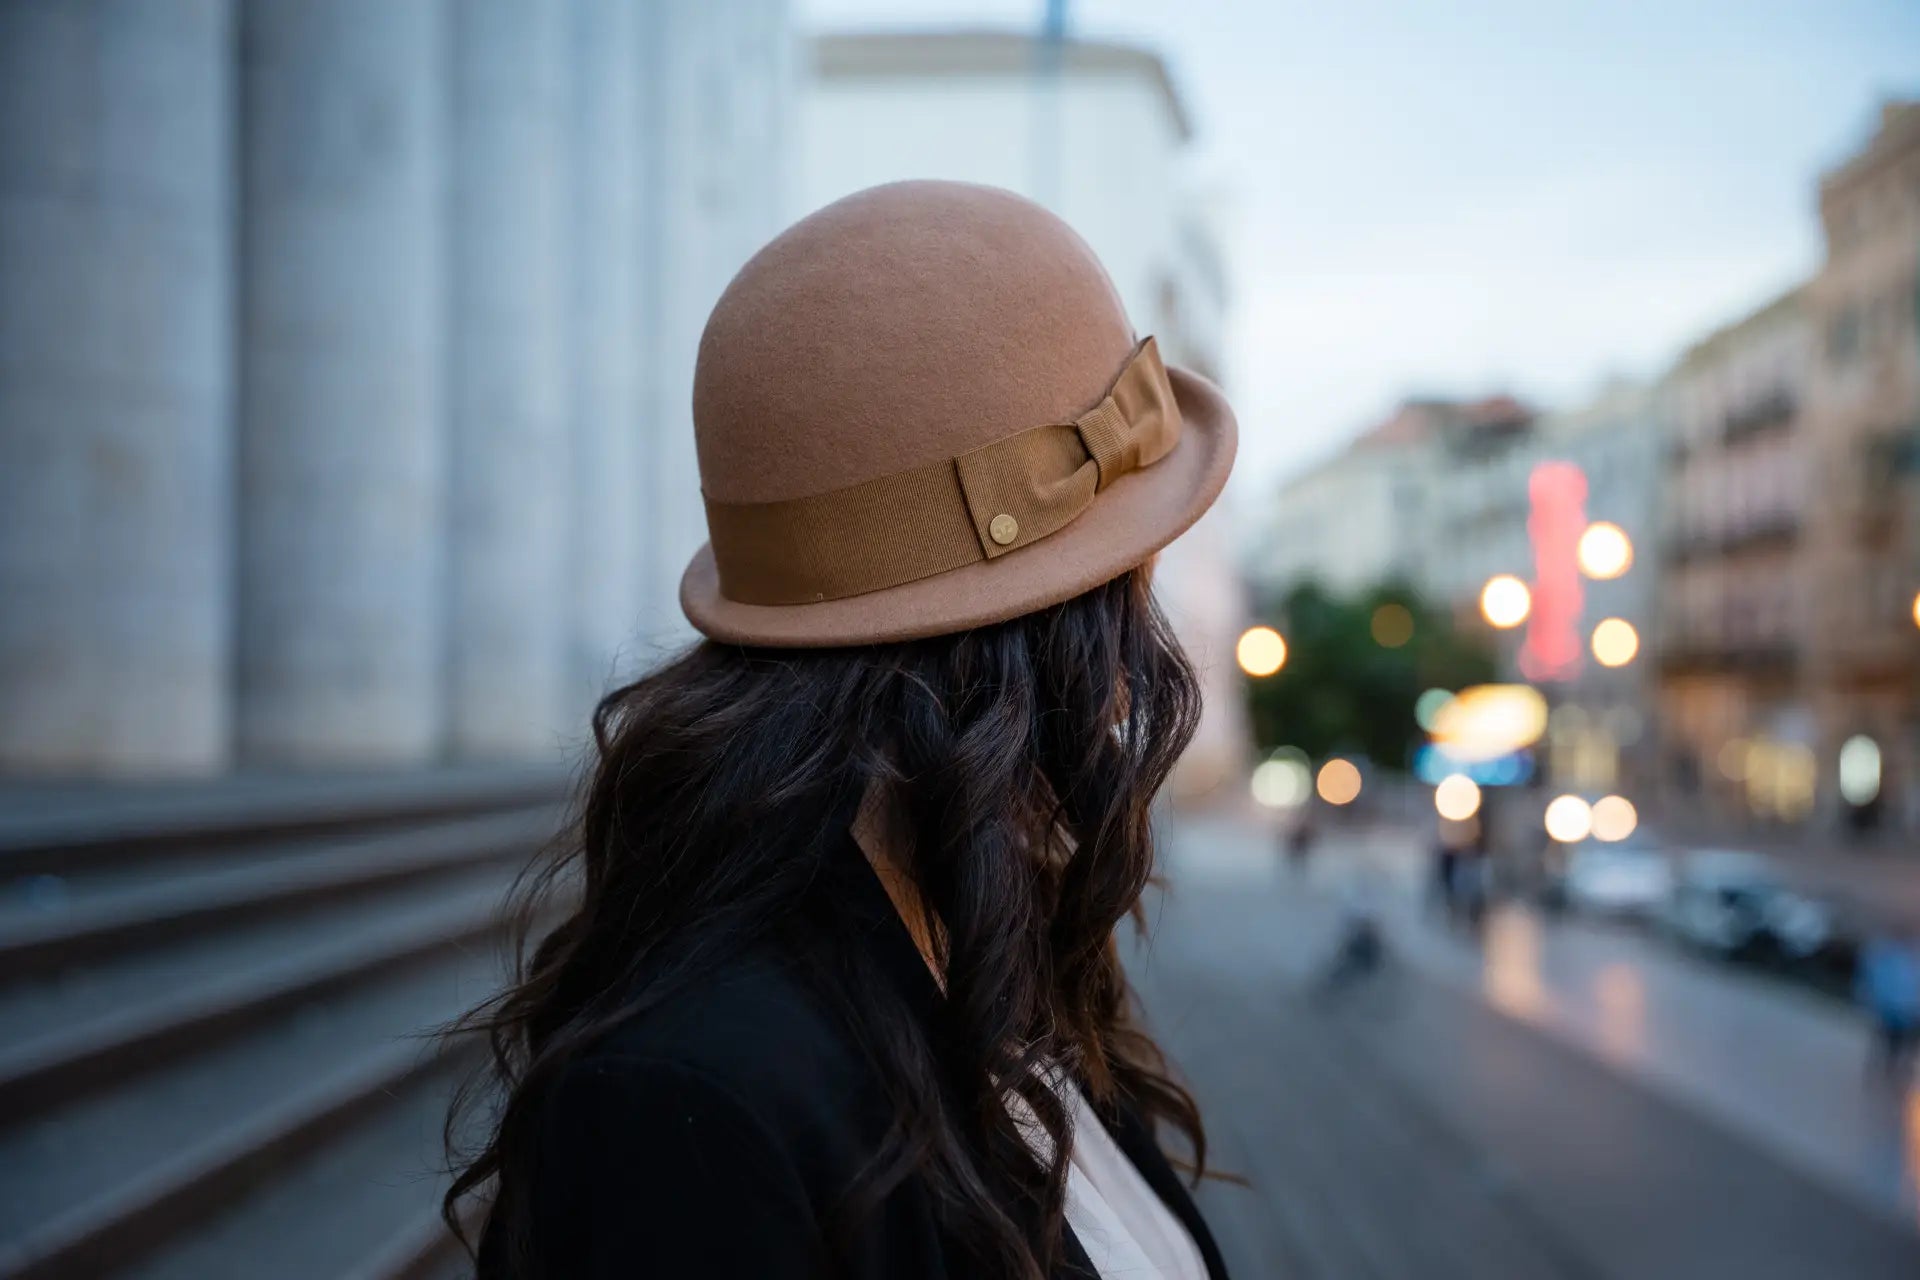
(1557, 494)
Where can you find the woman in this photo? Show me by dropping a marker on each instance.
(836, 991)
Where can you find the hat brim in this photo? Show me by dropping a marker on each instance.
(1130, 520)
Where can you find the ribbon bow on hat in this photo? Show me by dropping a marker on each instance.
(977, 506)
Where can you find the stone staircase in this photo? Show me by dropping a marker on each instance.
(214, 1007)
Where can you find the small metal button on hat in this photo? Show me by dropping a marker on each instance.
(1003, 529)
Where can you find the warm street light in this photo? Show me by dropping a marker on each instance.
(1339, 781)
(1916, 610)
(1487, 721)
(1615, 642)
(1614, 818)
(1261, 651)
(1505, 601)
(1604, 551)
(1457, 798)
(1569, 819)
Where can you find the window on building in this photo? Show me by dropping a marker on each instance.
(1843, 337)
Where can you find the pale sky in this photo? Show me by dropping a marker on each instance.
(1462, 195)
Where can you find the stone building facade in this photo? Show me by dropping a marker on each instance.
(1734, 715)
(1863, 542)
(345, 354)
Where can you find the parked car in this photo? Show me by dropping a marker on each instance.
(1735, 904)
(1631, 878)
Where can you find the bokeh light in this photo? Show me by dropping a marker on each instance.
(1282, 783)
(1604, 551)
(1490, 720)
(1569, 819)
(1614, 818)
(1505, 601)
(1428, 706)
(1261, 651)
(1859, 769)
(1615, 642)
(1457, 798)
(1392, 625)
(1339, 781)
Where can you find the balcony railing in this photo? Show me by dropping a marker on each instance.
(1776, 528)
(1774, 410)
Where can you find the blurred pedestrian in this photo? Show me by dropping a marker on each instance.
(1887, 984)
(1446, 865)
(1360, 945)
(838, 993)
(1299, 841)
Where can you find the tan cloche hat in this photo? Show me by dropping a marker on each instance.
(921, 410)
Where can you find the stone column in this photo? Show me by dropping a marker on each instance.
(682, 212)
(507, 286)
(721, 76)
(607, 344)
(115, 386)
(341, 485)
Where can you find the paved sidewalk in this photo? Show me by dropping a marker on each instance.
(1420, 1131)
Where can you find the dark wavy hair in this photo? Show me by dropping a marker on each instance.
(1022, 759)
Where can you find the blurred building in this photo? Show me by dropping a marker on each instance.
(344, 364)
(1355, 519)
(1420, 498)
(1468, 506)
(1481, 521)
(1605, 714)
(1097, 132)
(1863, 407)
(1734, 714)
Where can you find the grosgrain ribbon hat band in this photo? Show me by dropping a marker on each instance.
(977, 506)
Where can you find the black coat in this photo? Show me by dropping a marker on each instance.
(712, 1135)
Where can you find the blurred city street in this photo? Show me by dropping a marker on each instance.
(1565, 1098)
(1540, 881)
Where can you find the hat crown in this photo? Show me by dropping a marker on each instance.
(901, 325)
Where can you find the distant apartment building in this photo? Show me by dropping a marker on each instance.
(1472, 502)
(1345, 524)
(1362, 516)
(1863, 410)
(1734, 719)
(1605, 714)
(1480, 515)
(1097, 132)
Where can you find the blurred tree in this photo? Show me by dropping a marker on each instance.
(1355, 666)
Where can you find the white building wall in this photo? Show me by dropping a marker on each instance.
(1341, 524)
(1117, 178)
(1103, 149)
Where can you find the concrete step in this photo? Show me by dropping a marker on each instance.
(102, 1181)
(62, 829)
(365, 1206)
(89, 1054)
(57, 1001)
(147, 915)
